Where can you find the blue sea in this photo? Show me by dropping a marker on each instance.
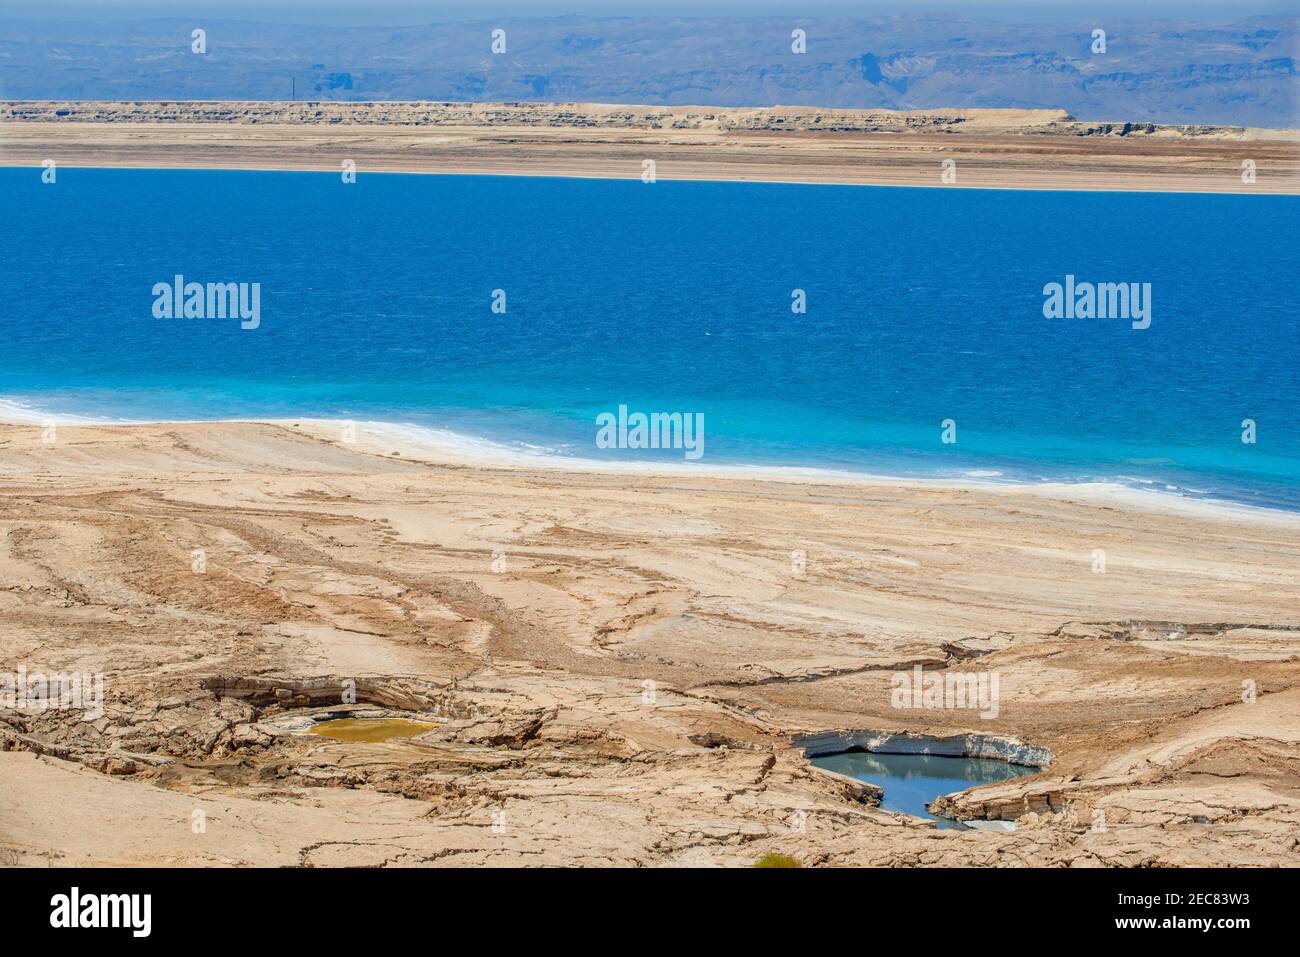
(923, 305)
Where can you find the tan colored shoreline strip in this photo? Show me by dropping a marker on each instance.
(1011, 149)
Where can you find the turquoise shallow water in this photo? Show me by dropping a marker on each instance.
(923, 305)
(911, 781)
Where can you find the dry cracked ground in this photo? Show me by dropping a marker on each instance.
(620, 663)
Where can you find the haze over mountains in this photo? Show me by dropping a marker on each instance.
(1166, 71)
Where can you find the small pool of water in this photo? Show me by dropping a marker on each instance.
(911, 781)
(371, 730)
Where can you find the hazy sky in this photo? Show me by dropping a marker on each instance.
(398, 12)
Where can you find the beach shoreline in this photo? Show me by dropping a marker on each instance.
(950, 149)
(445, 447)
(704, 174)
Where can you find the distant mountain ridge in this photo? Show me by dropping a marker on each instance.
(1162, 71)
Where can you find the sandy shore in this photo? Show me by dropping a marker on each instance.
(1009, 149)
(621, 661)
